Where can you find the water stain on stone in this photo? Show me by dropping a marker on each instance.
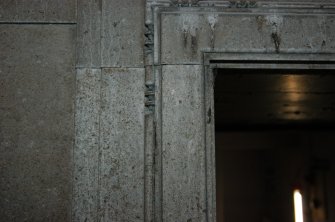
(276, 40)
(185, 34)
(261, 21)
(194, 44)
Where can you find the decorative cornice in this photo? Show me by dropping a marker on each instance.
(243, 4)
(240, 4)
(185, 3)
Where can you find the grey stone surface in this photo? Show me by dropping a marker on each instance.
(122, 33)
(122, 145)
(87, 149)
(37, 86)
(149, 163)
(113, 180)
(185, 35)
(38, 11)
(183, 143)
(221, 2)
(319, 1)
(88, 34)
(210, 146)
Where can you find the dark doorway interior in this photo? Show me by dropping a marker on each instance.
(275, 132)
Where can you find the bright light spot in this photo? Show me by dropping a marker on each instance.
(294, 87)
(298, 211)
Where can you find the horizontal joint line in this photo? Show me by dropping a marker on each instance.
(37, 23)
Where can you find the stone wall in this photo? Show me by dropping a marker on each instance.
(37, 91)
(72, 115)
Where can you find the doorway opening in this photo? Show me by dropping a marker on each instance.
(275, 135)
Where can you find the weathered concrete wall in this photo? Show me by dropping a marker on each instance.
(37, 85)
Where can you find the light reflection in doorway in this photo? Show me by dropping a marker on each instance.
(298, 206)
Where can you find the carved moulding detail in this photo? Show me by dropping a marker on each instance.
(239, 4)
(184, 3)
(149, 38)
(243, 4)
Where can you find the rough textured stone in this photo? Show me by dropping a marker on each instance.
(38, 11)
(183, 143)
(37, 89)
(122, 33)
(109, 151)
(185, 35)
(294, 1)
(37, 85)
(210, 146)
(88, 34)
(122, 145)
(87, 149)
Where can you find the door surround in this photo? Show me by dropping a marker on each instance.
(202, 48)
